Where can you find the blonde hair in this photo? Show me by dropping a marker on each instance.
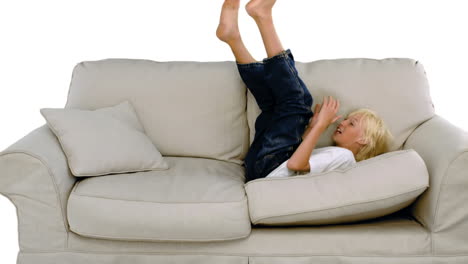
(376, 134)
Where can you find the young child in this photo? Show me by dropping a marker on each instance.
(284, 138)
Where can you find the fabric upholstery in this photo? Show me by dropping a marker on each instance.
(195, 200)
(442, 208)
(108, 140)
(392, 235)
(188, 108)
(371, 188)
(34, 175)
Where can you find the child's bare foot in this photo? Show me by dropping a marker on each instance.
(259, 8)
(228, 29)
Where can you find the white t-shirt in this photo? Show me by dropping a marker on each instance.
(321, 160)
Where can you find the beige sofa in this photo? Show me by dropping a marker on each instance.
(201, 117)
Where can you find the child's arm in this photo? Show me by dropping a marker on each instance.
(308, 129)
(324, 116)
(299, 161)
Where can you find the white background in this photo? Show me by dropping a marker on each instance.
(41, 42)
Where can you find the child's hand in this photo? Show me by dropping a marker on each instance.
(327, 113)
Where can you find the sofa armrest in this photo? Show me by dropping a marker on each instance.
(34, 175)
(443, 208)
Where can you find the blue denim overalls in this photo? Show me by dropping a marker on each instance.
(286, 106)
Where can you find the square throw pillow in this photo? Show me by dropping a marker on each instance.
(104, 141)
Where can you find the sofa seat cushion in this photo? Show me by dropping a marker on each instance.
(195, 200)
(371, 188)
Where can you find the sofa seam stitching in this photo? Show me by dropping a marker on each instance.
(147, 239)
(108, 198)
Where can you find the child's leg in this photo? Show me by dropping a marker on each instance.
(292, 113)
(288, 89)
(251, 71)
(293, 101)
(290, 92)
(261, 12)
(228, 31)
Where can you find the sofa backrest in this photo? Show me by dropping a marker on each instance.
(396, 88)
(198, 109)
(187, 108)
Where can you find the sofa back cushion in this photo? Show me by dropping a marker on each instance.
(186, 108)
(371, 188)
(396, 88)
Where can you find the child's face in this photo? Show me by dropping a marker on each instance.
(351, 133)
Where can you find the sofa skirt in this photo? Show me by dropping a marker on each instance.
(103, 258)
